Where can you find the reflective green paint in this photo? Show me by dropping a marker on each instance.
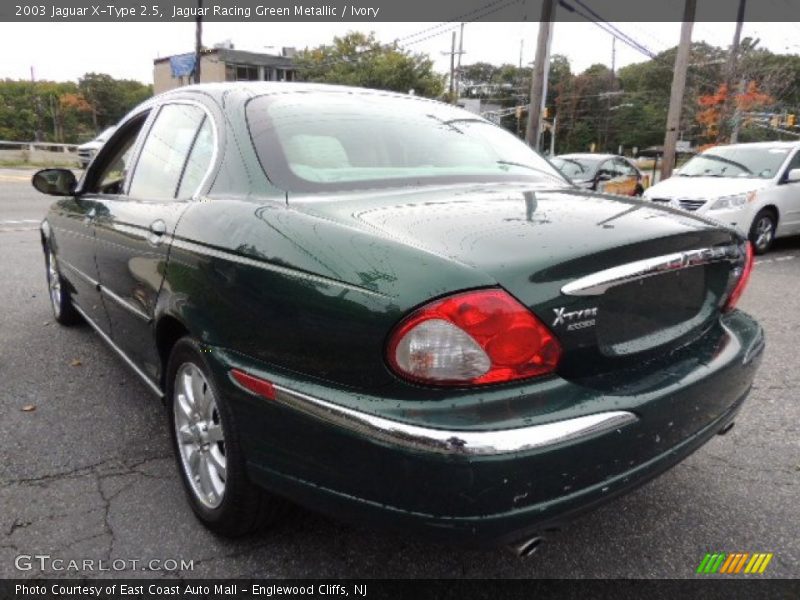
(304, 291)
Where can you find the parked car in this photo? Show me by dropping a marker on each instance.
(87, 151)
(609, 173)
(391, 310)
(753, 187)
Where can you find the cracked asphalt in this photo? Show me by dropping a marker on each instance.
(89, 474)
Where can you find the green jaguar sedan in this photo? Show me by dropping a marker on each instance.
(392, 311)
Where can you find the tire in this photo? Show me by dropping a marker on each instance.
(639, 190)
(208, 450)
(762, 232)
(60, 301)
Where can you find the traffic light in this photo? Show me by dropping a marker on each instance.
(791, 120)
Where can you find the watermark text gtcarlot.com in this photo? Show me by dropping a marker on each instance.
(47, 562)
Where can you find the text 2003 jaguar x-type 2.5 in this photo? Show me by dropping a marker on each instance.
(393, 311)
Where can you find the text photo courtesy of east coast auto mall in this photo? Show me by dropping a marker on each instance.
(399, 300)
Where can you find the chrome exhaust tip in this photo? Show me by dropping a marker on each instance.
(726, 428)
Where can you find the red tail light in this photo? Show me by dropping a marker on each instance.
(744, 278)
(472, 338)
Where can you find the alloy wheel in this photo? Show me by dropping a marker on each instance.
(765, 230)
(199, 435)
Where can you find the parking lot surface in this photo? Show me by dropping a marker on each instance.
(89, 474)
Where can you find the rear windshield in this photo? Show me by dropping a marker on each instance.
(736, 161)
(329, 141)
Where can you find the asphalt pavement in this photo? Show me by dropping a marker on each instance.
(88, 474)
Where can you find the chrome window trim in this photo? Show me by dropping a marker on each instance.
(597, 283)
(155, 112)
(454, 442)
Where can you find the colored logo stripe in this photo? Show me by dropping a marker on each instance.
(721, 562)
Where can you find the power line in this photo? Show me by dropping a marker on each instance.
(598, 21)
(476, 14)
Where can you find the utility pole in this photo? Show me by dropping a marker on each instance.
(540, 71)
(730, 75)
(455, 71)
(678, 86)
(613, 57)
(37, 104)
(458, 67)
(737, 114)
(452, 67)
(198, 42)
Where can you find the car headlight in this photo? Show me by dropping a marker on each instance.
(734, 201)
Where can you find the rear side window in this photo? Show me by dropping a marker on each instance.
(165, 152)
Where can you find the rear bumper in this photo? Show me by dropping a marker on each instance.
(491, 484)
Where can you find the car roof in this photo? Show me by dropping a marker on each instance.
(250, 89)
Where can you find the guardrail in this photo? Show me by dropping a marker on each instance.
(43, 146)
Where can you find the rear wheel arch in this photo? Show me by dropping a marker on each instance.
(168, 331)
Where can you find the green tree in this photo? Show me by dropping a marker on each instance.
(65, 112)
(358, 59)
(110, 99)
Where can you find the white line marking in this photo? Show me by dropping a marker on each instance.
(10, 222)
(785, 258)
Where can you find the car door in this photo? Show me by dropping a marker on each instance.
(628, 179)
(72, 237)
(608, 177)
(73, 222)
(788, 200)
(134, 228)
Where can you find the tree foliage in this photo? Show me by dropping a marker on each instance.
(358, 59)
(596, 108)
(66, 112)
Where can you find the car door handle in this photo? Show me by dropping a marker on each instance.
(158, 227)
(157, 230)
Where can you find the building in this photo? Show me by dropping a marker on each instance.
(222, 64)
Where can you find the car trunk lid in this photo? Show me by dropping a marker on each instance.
(536, 242)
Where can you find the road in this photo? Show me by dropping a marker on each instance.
(89, 473)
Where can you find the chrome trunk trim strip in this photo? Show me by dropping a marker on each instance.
(597, 283)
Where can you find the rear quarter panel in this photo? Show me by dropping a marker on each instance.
(299, 293)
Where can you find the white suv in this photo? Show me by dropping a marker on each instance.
(753, 187)
(87, 151)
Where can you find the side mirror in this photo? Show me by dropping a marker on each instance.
(56, 182)
(793, 176)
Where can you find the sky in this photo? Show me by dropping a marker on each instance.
(65, 51)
